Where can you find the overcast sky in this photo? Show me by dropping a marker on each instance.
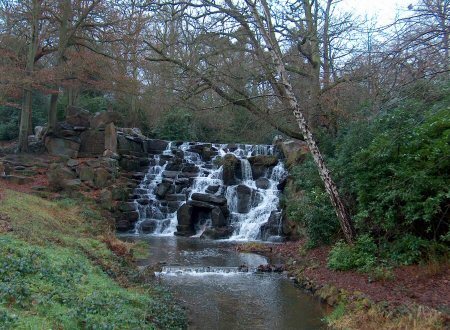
(384, 10)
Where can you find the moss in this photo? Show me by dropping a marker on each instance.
(58, 272)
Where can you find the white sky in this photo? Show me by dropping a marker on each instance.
(384, 10)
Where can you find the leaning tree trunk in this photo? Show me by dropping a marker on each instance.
(284, 87)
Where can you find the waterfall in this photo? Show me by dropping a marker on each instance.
(226, 191)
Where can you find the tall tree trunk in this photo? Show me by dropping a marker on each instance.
(26, 114)
(284, 86)
(52, 112)
(66, 13)
(25, 120)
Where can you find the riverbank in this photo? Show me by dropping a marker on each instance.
(410, 297)
(62, 267)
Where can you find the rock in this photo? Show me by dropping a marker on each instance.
(261, 164)
(92, 143)
(293, 150)
(126, 207)
(231, 170)
(123, 225)
(162, 189)
(262, 183)
(62, 147)
(131, 216)
(111, 138)
(209, 198)
(190, 168)
(58, 176)
(39, 132)
(170, 174)
(119, 193)
(108, 153)
(72, 162)
(156, 146)
(130, 164)
(148, 226)
(217, 218)
(244, 198)
(18, 179)
(125, 145)
(212, 189)
(86, 173)
(184, 217)
(176, 197)
(78, 117)
(105, 199)
(73, 184)
(200, 204)
(102, 119)
(184, 231)
(217, 233)
(101, 177)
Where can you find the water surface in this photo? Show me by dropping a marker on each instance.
(236, 300)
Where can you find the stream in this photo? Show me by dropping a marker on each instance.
(205, 276)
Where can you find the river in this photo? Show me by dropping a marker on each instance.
(203, 274)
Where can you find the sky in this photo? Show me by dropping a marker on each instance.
(384, 10)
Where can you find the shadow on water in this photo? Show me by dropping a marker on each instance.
(229, 300)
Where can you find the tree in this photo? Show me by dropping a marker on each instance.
(25, 117)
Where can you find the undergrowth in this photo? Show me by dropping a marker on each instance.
(58, 272)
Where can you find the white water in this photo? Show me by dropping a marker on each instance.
(246, 225)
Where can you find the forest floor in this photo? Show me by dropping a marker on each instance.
(406, 297)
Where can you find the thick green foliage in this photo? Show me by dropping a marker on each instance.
(402, 180)
(177, 125)
(313, 209)
(360, 256)
(393, 172)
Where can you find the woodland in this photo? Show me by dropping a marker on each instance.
(371, 102)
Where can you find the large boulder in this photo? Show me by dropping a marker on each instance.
(59, 176)
(92, 143)
(78, 117)
(102, 177)
(156, 146)
(102, 119)
(129, 145)
(293, 150)
(62, 147)
(244, 198)
(213, 199)
(111, 138)
(261, 164)
(231, 169)
(217, 218)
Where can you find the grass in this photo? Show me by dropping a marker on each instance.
(62, 268)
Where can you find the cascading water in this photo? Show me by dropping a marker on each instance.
(211, 190)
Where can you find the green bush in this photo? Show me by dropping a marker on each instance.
(177, 124)
(360, 256)
(313, 209)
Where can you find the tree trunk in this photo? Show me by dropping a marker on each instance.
(26, 114)
(52, 113)
(25, 121)
(288, 97)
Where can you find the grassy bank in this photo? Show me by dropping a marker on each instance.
(61, 267)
